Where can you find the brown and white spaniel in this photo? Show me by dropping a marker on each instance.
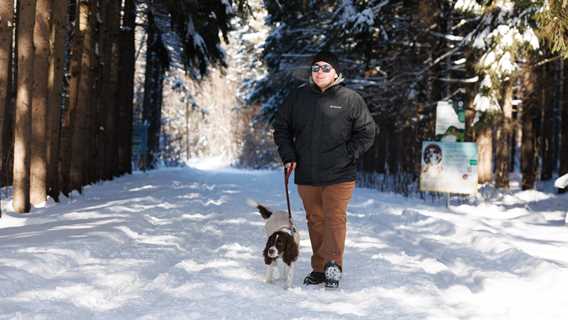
(283, 242)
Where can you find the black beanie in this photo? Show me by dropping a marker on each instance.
(328, 57)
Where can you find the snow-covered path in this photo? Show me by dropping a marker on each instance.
(182, 244)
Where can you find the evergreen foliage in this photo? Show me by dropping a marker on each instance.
(553, 25)
(403, 56)
(198, 25)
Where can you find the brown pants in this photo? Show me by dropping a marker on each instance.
(326, 212)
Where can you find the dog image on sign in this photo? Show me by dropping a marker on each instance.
(432, 157)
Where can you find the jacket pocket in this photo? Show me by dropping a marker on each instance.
(336, 158)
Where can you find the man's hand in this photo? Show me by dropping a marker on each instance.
(290, 166)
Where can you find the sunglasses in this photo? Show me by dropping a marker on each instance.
(326, 68)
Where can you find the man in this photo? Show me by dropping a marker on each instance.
(321, 130)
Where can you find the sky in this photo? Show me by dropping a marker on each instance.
(182, 243)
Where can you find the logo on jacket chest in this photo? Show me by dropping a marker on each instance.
(333, 106)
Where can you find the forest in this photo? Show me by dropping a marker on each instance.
(68, 112)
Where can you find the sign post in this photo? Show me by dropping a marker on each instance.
(449, 167)
(448, 164)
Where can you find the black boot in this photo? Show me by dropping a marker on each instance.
(332, 273)
(314, 278)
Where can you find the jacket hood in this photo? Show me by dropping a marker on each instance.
(337, 81)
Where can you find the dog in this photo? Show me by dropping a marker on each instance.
(283, 242)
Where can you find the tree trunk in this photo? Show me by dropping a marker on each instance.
(152, 92)
(22, 134)
(504, 131)
(564, 124)
(38, 167)
(6, 32)
(68, 128)
(55, 87)
(79, 138)
(103, 89)
(528, 118)
(95, 80)
(472, 90)
(409, 148)
(10, 114)
(381, 151)
(484, 139)
(126, 95)
(547, 126)
(110, 80)
(391, 161)
(112, 120)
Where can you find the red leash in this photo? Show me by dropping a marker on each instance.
(287, 174)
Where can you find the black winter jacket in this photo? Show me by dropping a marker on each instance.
(324, 133)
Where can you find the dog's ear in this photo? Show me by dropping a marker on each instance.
(291, 252)
(264, 212)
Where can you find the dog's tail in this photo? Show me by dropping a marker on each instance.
(264, 211)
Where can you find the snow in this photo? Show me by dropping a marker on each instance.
(506, 64)
(561, 182)
(479, 42)
(359, 22)
(531, 38)
(348, 10)
(506, 6)
(468, 6)
(182, 243)
(483, 102)
(501, 44)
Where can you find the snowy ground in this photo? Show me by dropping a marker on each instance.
(182, 244)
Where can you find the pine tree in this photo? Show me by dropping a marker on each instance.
(198, 25)
(157, 60)
(91, 128)
(83, 96)
(38, 168)
(504, 36)
(69, 123)
(504, 136)
(126, 74)
(484, 140)
(530, 107)
(6, 31)
(564, 124)
(553, 25)
(55, 88)
(111, 92)
(547, 157)
(25, 47)
(103, 90)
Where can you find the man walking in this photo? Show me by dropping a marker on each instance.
(321, 130)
